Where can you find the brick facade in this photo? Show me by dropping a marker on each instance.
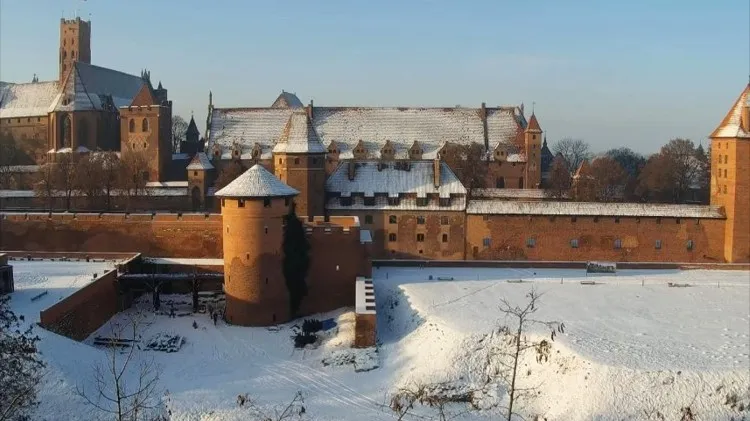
(305, 173)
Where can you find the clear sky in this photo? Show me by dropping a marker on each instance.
(633, 73)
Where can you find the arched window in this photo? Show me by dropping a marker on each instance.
(67, 127)
(520, 183)
(83, 133)
(131, 125)
(73, 54)
(64, 54)
(144, 125)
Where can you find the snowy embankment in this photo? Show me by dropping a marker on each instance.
(633, 347)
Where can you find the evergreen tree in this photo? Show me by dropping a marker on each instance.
(296, 260)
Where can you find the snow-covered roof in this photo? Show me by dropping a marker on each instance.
(87, 88)
(167, 184)
(393, 179)
(492, 193)
(180, 156)
(200, 162)
(731, 126)
(27, 99)
(454, 204)
(505, 207)
(287, 100)
(299, 136)
(346, 126)
(256, 182)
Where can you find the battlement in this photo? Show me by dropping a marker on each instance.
(111, 217)
(76, 20)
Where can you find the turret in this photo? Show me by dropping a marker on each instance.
(299, 160)
(200, 174)
(532, 143)
(253, 207)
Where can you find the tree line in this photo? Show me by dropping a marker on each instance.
(678, 173)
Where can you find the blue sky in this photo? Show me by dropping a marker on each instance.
(614, 73)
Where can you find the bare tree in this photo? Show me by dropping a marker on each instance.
(45, 187)
(469, 162)
(608, 179)
(20, 365)
(8, 152)
(293, 410)
(110, 175)
(112, 392)
(179, 129)
(88, 178)
(133, 175)
(509, 357)
(575, 151)
(559, 179)
(685, 165)
(441, 405)
(632, 162)
(65, 176)
(228, 173)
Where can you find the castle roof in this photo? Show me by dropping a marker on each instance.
(533, 124)
(347, 126)
(394, 178)
(287, 100)
(256, 182)
(27, 99)
(512, 207)
(200, 162)
(87, 87)
(192, 129)
(299, 136)
(731, 125)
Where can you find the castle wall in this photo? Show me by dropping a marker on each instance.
(306, 174)
(173, 235)
(31, 135)
(80, 314)
(509, 238)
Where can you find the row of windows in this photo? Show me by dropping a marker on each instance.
(719, 173)
(281, 161)
(393, 219)
(395, 201)
(18, 120)
(420, 238)
(266, 201)
(531, 243)
(144, 125)
(617, 219)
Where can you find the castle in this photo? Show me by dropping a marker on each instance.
(370, 183)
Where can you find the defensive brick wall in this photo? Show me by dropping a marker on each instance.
(152, 234)
(80, 314)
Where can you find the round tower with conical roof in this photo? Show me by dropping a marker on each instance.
(253, 207)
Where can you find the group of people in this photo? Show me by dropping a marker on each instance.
(213, 313)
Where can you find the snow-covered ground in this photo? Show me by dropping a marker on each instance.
(632, 347)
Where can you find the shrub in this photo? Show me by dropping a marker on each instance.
(303, 339)
(312, 326)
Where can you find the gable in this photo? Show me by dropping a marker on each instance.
(143, 97)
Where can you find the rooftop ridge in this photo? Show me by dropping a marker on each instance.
(256, 182)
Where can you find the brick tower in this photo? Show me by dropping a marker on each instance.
(200, 176)
(532, 141)
(730, 177)
(299, 160)
(253, 207)
(75, 43)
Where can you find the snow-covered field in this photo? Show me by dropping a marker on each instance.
(633, 347)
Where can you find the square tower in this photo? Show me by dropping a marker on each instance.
(730, 177)
(75, 43)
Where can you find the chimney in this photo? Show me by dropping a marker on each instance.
(352, 170)
(745, 118)
(310, 110)
(485, 131)
(483, 112)
(436, 172)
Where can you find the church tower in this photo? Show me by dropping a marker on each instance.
(75, 43)
(299, 160)
(532, 143)
(253, 207)
(730, 177)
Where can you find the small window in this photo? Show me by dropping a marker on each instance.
(574, 243)
(689, 245)
(596, 219)
(222, 202)
(420, 220)
(265, 229)
(296, 161)
(573, 219)
(145, 145)
(392, 219)
(131, 125)
(420, 238)
(368, 219)
(485, 218)
(618, 244)
(531, 243)
(28, 120)
(391, 237)
(345, 201)
(445, 238)
(617, 220)
(247, 256)
(657, 244)
(422, 201)
(241, 203)
(369, 201)
(195, 173)
(725, 189)
(279, 160)
(266, 202)
(677, 221)
(444, 220)
(658, 220)
(725, 173)
(144, 125)
(266, 281)
(286, 201)
(486, 241)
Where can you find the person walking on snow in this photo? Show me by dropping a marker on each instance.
(215, 317)
(171, 311)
